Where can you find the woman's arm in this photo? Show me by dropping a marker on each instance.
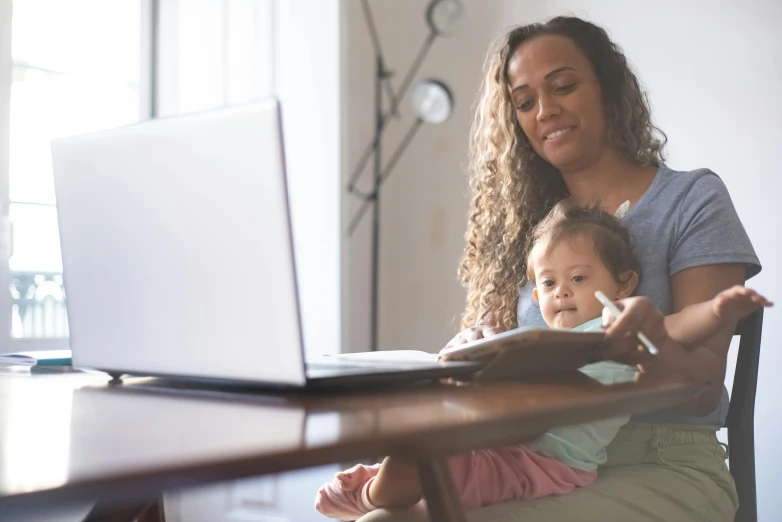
(703, 363)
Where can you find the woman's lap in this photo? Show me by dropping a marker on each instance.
(645, 492)
(662, 479)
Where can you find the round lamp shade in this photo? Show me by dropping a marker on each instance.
(444, 16)
(432, 101)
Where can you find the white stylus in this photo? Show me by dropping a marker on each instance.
(605, 301)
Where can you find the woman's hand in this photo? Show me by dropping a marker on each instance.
(473, 334)
(639, 314)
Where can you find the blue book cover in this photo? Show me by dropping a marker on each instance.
(38, 358)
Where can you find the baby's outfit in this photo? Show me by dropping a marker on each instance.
(556, 463)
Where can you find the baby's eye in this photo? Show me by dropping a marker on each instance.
(579, 279)
(548, 283)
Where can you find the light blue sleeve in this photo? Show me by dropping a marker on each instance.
(582, 446)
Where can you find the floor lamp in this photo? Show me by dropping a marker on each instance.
(431, 101)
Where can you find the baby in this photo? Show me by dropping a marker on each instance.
(575, 251)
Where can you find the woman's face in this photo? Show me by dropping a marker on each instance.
(558, 102)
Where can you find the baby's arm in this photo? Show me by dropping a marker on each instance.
(697, 323)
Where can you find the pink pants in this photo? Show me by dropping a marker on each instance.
(486, 477)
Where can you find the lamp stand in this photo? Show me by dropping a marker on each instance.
(380, 76)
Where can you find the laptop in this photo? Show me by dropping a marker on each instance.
(178, 257)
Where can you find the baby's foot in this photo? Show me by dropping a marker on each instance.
(346, 497)
(355, 477)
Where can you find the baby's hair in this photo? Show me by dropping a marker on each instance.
(610, 238)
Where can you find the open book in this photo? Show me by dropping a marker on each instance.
(386, 356)
(531, 345)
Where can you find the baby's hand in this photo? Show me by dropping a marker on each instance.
(737, 302)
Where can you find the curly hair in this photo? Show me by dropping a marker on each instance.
(514, 188)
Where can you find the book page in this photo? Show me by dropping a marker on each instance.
(390, 356)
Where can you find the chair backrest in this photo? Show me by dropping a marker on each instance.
(741, 416)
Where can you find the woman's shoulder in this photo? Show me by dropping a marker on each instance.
(673, 190)
(704, 225)
(683, 181)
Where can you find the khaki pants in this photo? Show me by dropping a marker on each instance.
(655, 472)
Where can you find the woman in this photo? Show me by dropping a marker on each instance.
(560, 114)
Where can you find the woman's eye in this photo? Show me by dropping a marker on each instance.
(565, 89)
(525, 105)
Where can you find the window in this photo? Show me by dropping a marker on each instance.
(85, 65)
(76, 68)
(214, 53)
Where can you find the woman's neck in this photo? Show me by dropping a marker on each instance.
(610, 181)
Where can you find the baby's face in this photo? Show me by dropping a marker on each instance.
(566, 278)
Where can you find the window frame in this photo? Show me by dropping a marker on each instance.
(148, 109)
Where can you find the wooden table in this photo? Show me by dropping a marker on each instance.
(74, 437)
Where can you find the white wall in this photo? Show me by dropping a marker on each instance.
(713, 69)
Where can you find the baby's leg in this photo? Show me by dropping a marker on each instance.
(481, 478)
(396, 485)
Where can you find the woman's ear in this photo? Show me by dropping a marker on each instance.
(535, 295)
(628, 285)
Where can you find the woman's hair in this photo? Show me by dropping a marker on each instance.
(514, 188)
(567, 221)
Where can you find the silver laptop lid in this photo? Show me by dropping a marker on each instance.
(176, 247)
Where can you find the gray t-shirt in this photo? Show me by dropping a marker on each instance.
(684, 220)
